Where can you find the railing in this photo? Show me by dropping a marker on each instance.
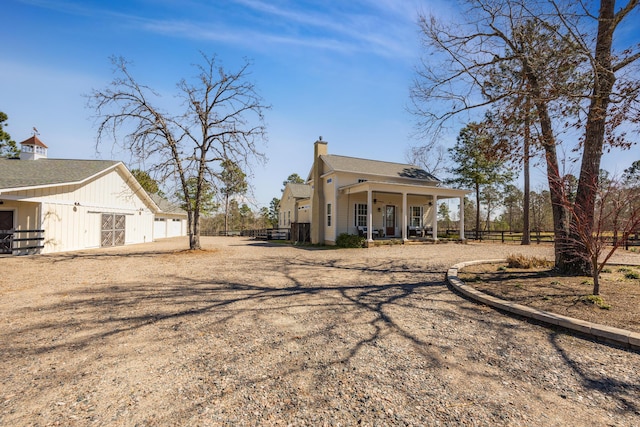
(21, 242)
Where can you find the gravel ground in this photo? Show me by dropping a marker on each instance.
(248, 333)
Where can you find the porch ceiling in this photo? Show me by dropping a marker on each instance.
(392, 187)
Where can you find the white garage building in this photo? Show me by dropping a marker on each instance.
(54, 205)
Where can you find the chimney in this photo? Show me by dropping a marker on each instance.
(33, 149)
(317, 198)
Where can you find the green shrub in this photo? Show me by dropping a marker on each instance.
(346, 240)
(596, 300)
(632, 275)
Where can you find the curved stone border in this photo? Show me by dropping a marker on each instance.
(605, 333)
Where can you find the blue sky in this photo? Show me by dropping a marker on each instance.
(339, 69)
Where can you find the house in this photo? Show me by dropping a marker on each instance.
(53, 205)
(295, 205)
(369, 197)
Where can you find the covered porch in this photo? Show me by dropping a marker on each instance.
(384, 210)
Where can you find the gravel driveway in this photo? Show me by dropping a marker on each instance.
(248, 333)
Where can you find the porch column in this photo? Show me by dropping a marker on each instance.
(404, 217)
(369, 215)
(434, 218)
(461, 226)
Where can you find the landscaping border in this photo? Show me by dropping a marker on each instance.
(599, 332)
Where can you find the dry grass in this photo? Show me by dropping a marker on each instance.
(618, 303)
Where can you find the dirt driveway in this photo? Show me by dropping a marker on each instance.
(246, 333)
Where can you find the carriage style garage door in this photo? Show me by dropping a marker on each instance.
(113, 226)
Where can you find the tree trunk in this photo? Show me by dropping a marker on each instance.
(226, 214)
(194, 239)
(556, 187)
(526, 234)
(477, 211)
(584, 206)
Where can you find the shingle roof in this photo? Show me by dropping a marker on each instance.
(166, 206)
(300, 191)
(15, 173)
(376, 167)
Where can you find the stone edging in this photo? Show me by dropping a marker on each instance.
(600, 332)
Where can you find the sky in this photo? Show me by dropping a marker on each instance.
(337, 69)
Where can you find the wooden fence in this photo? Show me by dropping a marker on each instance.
(21, 242)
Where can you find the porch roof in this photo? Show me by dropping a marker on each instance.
(392, 187)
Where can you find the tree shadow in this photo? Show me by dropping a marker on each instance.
(395, 313)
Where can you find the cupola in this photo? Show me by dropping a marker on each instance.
(33, 149)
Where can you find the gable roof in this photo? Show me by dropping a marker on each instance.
(166, 206)
(299, 191)
(16, 174)
(376, 167)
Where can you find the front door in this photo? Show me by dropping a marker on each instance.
(6, 231)
(390, 221)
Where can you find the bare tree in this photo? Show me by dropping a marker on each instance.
(568, 70)
(222, 121)
(617, 215)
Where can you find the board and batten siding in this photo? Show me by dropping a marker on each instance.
(71, 215)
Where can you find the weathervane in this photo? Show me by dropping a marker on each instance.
(35, 131)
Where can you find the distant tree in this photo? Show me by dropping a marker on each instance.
(149, 184)
(477, 166)
(207, 197)
(8, 147)
(294, 178)
(234, 183)
(264, 217)
(491, 196)
(222, 121)
(513, 204)
(246, 215)
(541, 211)
(273, 212)
(631, 175)
(444, 214)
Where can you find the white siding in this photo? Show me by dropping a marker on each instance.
(71, 214)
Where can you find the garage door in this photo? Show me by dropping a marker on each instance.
(175, 228)
(159, 228)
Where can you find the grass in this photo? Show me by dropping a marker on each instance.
(632, 275)
(596, 300)
(523, 261)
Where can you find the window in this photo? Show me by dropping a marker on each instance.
(361, 215)
(361, 180)
(328, 214)
(416, 216)
(288, 217)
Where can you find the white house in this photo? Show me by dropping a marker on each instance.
(374, 198)
(54, 205)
